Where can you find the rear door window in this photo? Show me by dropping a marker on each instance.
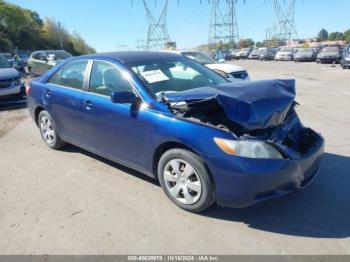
(73, 74)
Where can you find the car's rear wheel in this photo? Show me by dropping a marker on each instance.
(49, 131)
(185, 180)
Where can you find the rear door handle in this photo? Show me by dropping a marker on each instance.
(88, 105)
(48, 93)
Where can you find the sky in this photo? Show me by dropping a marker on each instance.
(106, 24)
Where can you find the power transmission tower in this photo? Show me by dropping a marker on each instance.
(140, 45)
(223, 26)
(157, 35)
(284, 25)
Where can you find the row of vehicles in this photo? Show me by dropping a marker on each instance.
(328, 54)
(40, 62)
(13, 67)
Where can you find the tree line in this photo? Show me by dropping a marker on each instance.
(324, 35)
(23, 29)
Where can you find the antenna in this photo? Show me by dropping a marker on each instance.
(157, 35)
(223, 26)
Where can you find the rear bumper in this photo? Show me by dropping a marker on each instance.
(304, 59)
(284, 58)
(13, 90)
(242, 182)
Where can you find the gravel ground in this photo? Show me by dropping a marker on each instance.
(73, 202)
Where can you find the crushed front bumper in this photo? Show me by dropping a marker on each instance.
(241, 182)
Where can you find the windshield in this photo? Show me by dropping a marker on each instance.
(200, 57)
(332, 49)
(7, 56)
(3, 62)
(57, 55)
(174, 75)
(305, 51)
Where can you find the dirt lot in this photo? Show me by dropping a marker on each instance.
(72, 202)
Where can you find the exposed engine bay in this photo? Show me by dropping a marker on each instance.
(263, 110)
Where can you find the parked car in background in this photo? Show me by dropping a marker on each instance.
(255, 54)
(222, 55)
(9, 58)
(23, 57)
(243, 143)
(305, 55)
(41, 61)
(11, 85)
(231, 72)
(244, 53)
(284, 54)
(267, 54)
(346, 58)
(234, 54)
(330, 54)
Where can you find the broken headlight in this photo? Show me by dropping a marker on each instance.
(248, 148)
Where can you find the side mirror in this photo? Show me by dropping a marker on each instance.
(124, 97)
(43, 58)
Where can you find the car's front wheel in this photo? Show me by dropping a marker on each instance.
(49, 131)
(185, 180)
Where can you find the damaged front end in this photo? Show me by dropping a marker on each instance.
(255, 111)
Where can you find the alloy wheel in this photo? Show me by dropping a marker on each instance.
(47, 130)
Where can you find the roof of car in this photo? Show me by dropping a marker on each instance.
(132, 56)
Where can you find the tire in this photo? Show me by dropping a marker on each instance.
(49, 131)
(199, 186)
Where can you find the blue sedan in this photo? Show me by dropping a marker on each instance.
(206, 140)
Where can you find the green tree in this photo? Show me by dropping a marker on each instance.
(336, 36)
(322, 35)
(24, 29)
(243, 43)
(347, 35)
(80, 46)
(259, 44)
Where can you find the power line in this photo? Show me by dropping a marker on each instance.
(223, 27)
(284, 29)
(157, 34)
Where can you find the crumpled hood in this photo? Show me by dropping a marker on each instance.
(252, 105)
(8, 73)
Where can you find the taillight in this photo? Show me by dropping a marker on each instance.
(27, 84)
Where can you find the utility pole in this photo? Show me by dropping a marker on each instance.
(284, 25)
(157, 34)
(223, 25)
(59, 34)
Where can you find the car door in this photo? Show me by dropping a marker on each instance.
(115, 131)
(63, 97)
